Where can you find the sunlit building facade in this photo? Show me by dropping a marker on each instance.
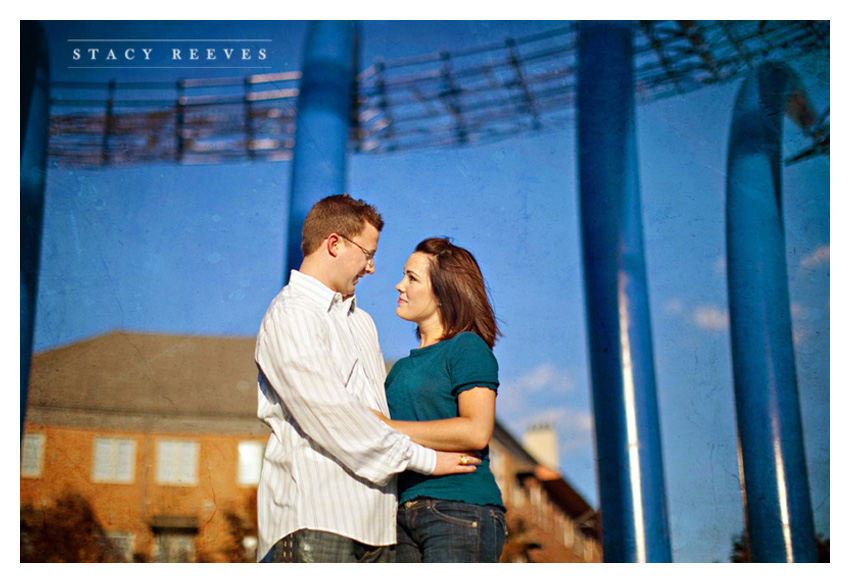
(155, 439)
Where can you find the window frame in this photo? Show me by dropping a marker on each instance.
(40, 439)
(186, 476)
(114, 475)
(241, 471)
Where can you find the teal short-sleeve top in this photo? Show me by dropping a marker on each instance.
(424, 386)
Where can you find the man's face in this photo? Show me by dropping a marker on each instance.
(353, 263)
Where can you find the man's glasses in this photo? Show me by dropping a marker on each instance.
(370, 255)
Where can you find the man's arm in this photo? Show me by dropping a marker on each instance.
(296, 360)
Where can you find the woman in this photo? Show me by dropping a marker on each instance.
(444, 397)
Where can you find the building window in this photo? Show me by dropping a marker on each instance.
(518, 495)
(569, 533)
(177, 462)
(122, 545)
(174, 538)
(114, 460)
(174, 547)
(588, 552)
(496, 464)
(250, 462)
(579, 548)
(32, 456)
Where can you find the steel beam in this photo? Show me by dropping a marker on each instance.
(322, 128)
(628, 441)
(772, 457)
(35, 118)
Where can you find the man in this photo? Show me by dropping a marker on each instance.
(327, 491)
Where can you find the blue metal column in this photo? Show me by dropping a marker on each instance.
(776, 489)
(35, 119)
(324, 118)
(628, 441)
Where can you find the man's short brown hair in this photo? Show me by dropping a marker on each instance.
(337, 214)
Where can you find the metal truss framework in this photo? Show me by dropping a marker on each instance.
(456, 98)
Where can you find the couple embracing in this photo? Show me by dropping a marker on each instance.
(362, 466)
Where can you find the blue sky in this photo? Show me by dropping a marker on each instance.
(199, 250)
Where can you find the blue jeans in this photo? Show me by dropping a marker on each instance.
(316, 546)
(442, 531)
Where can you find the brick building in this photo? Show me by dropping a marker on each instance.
(548, 521)
(157, 436)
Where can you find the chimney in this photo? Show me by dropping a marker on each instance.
(541, 441)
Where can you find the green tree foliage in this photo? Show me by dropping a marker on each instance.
(741, 549)
(66, 531)
(242, 526)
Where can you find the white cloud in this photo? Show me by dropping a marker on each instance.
(716, 319)
(544, 376)
(525, 401)
(817, 257)
(711, 318)
(673, 307)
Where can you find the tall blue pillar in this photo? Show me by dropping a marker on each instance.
(325, 106)
(35, 120)
(774, 480)
(628, 441)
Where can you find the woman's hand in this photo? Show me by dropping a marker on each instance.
(453, 462)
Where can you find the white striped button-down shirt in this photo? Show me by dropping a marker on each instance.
(330, 464)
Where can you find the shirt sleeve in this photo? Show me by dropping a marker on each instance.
(293, 354)
(472, 364)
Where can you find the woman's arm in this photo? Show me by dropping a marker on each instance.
(470, 430)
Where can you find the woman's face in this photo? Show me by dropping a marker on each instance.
(416, 301)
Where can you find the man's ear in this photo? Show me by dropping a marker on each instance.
(332, 244)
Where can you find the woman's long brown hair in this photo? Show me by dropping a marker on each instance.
(461, 293)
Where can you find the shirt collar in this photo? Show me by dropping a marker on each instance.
(322, 294)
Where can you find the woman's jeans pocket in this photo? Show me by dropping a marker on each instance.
(443, 531)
